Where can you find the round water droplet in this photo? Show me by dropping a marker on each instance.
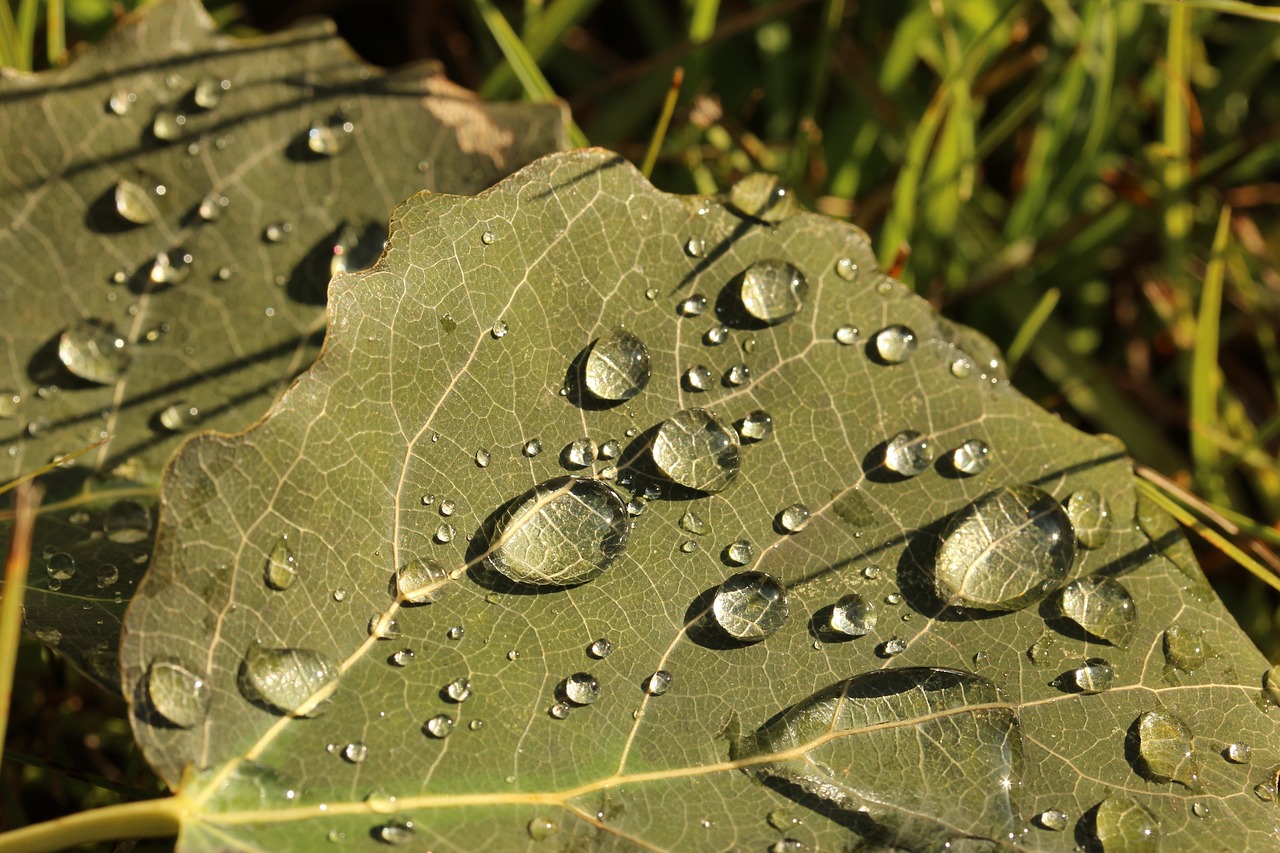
(764, 197)
(331, 137)
(581, 452)
(961, 366)
(396, 833)
(750, 606)
(94, 351)
(1200, 808)
(445, 533)
(692, 306)
(282, 567)
(439, 726)
(1054, 820)
(355, 752)
(846, 335)
(560, 711)
(737, 375)
(475, 725)
(179, 417)
(1090, 515)
(532, 447)
(277, 232)
(1006, 550)
(458, 690)
(1239, 753)
(211, 206)
(208, 92)
(695, 449)
(658, 683)
(482, 458)
(895, 344)
(716, 335)
(455, 633)
(177, 693)
(106, 576)
(699, 378)
(1102, 606)
(542, 828)
(740, 552)
(339, 595)
(972, 457)
(167, 125)
(448, 507)
(581, 688)
(499, 330)
(773, 291)
(794, 518)
(299, 682)
(420, 582)
(610, 449)
(618, 367)
(1095, 676)
(908, 453)
(853, 616)
(1165, 750)
(139, 198)
(688, 546)
(488, 238)
(565, 531)
(170, 267)
(757, 425)
(127, 522)
(1184, 648)
(695, 247)
(600, 649)
(404, 657)
(847, 269)
(61, 566)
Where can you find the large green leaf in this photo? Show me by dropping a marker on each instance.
(280, 718)
(253, 198)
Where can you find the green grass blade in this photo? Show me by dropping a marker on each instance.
(56, 32)
(1177, 135)
(1031, 328)
(28, 14)
(1206, 380)
(544, 33)
(664, 121)
(15, 587)
(9, 50)
(1231, 7)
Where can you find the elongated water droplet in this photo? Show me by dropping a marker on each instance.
(177, 693)
(127, 522)
(542, 828)
(693, 523)
(1095, 676)
(750, 606)
(1054, 820)
(846, 335)
(1165, 750)
(658, 683)
(1102, 606)
(439, 726)
(740, 553)
(355, 752)
(699, 378)
(908, 453)
(397, 833)
(1006, 550)
(1239, 753)
(1184, 648)
(618, 366)
(1123, 825)
(420, 581)
(581, 688)
(565, 531)
(794, 518)
(94, 351)
(139, 198)
(972, 457)
(601, 648)
(282, 567)
(716, 335)
(179, 417)
(853, 615)
(482, 458)
(331, 137)
(458, 690)
(171, 267)
(697, 450)
(763, 197)
(1090, 516)
(773, 291)
(299, 682)
(847, 269)
(208, 92)
(895, 344)
(757, 425)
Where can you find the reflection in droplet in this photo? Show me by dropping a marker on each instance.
(1165, 750)
(757, 425)
(895, 344)
(1090, 515)
(738, 374)
(693, 306)
(853, 615)
(355, 752)
(847, 269)
(94, 351)
(177, 693)
(564, 531)
(127, 522)
(1102, 606)
(458, 690)
(1006, 550)
(419, 581)
(1239, 753)
(972, 457)
(618, 367)
(300, 682)
(794, 518)
(61, 566)
(1184, 648)
(282, 567)
(581, 688)
(697, 450)
(439, 726)
(1123, 825)
(482, 458)
(908, 453)
(532, 448)
(772, 290)
(764, 197)
(716, 335)
(750, 606)
(658, 683)
(1095, 676)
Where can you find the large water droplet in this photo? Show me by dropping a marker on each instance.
(853, 615)
(1006, 550)
(956, 722)
(1184, 648)
(895, 344)
(908, 453)
(94, 351)
(177, 693)
(1090, 515)
(565, 531)
(1124, 826)
(581, 688)
(757, 425)
(1095, 676)
(331, 137)
(419, 581)
(618, 367)
(697, 450)
(127, 522)
(764, 197)
(139, 198)
(773, 291)
(1101, 606)
(750, 606)
(300, 682)
(282, 567)
(972, 457)
(61, 566)
(1165, 750)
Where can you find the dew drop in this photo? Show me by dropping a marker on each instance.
(482, 458)
(1165, 750)
(773, 291)
(282, 567)
(1090, 515)
(1102, 606)
(794, 518)
(972, 457)
(908, 453)
(1200, 808)
(167, 124)
(331, 137)
(846, 335)
(439, 726)
(1054, 820)
(750, 606)
(445, 533)
(298, 682)
(564, 531)
(695, 449)
(853, 615)
(1006, 550)
(107, 576)
(1184, 648)
(61, 566)
(499, 330)
(763, 197)
(1239, 753)
(9, 403)
(658, 683)
(740, 553)
(1095, 676)
(618, 366)
(692, 306)
(355, 752)
(699, 378)
(404, 657)
(448, 507)
(847, 269)
(488, 238)
(139, 197)
(961, 367)
(170, 267)
(419, 582)
(455, 633)
(121, 101)
(94, 351)
(610, 449)
(339, 595)
(396, 833)
(560, 711)
(277, 232)
(127, 522)
(692, 523)
(532, 447)
(757, 425)
(177, 693)
(600, 648)
(716, 335)
(738, 374)
(208, 92)
(580, 452)
(783, 820)
(893, 646)
(895, 344)
(458, 690)
(179, 417)
(695, 247)
(581, 688)
(542, 828)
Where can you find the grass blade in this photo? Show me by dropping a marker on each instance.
(1231, 7)
(55, 31)
(1177, 134)
(544, 33)
(28, 13)
(664, 121)
(9, 51)
(1206, 380)
(15, 587)
(1031, 328)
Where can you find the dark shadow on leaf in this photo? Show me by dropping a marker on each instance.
(609, 163)
(1086, 831)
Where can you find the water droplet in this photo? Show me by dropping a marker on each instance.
(282, 567)
(972, 457)
(580, 452)
(697, 450)
(1090, 515)
(794, 518)
(299, 682)
(330, 138)
(170, 267)
(853, 616)
(751, 606)
(475, 725)
(740, 553)
(1102, 606)
(355, 752)
(456, 632)
(764, 197)
(688, 546)
(783, 820)
(61, 566)
(908, 453)
(177, 693)
(9, 403)
(846, 335)
(354, 250)
(737, 375)
(179, 417)
(1004, 551)
(600, 649)
(396, 833)
(696, 247)
(895, 645)
(565, 531)
(532, 447)
(773, 291)
(419, 582)
(847, 269)
(404, 657)
(1184, 648)
(458, 690)
(339, 595)
(787, 845)
(499, 330)
(167, 124)
(541, 828)
(692, 306)
(611, 449)
(439, 726)
(127, 522)
(693, 523)
(448, 507)
(384, 626)
(94, 351)
(895, 344)
(487, 238)
(121, 100)
(208, 92)
(893, 599)
(445, 534)
(560, 711)
(699, 378)
(107, 576)
(581, 688)
(482, 458)
(1165, 750)
(658, 683)
(1200, 808)
(1054, 820)
(139, 198)
(1239, 753)
(277, 232)
(618, 366)
(1095, 676)
(923, 717)
(716, 335)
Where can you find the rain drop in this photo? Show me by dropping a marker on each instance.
(404, 657)
(610, 449)
(794, 518)
(581, 688)
(847, 269)
(94, 351)
(282, 567)
(448, 507)
(167, 125)
(298, 682)
(1184, 648)
(763, 197)
(1054, 820)
(716, 335)
(893, 646)
(1165, 750)
(972, 457)
(846, 335)
(482, 458)
(895, 344)
(600, 649)
(121, 100)
(1090, 515)
(396, 833)
(488, 237)
(961, 367)
(208, 92)
(853, 615)
(170, 267)
(9, 403)
(658, 683)
(618, 367)
(1239, 753)
(277, 232)
(355, 752)
(455, 633)
(445, 533)
(773, 291)
(499, 330)
(560, 711)
(541, 828)
(177, 693)
(138, 198)
(354, 251)
(439, 726)
(757, 425)
(695, 449)
(1102, 606)
(750, 606)
(61, 566)
(695, 247)
(107, 576)
(908, 453)
(532, 447)
(692, 523)
(740, 553)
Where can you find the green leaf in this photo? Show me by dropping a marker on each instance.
(222, 125)
(403, 453)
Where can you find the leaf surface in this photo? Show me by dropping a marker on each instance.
(406, 450)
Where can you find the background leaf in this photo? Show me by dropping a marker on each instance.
(447, 359)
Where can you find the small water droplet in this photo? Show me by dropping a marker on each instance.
(699, 378)
(458, 690)
(94, 351)
(499, 330)
(794, 518)
(1102, 606)
(893, 598)
(208, 92)
(560, 711)
(475, 725)
(167, 124)
(179, 417)
(692, 306)
(853, 615)
(581, 688)
(972, 457)
(10, 401)
(445, 534)
(455, 633)
(695, 247)
(397, 833)
(1090, 515)
(740, 553)
(787, 845)
(738, 374)
(847, 269)
(177, 693)
(846, 335)
(961, 366)
(688, 546)
(404, 657)
(716, 335)
(600, 649)
(61, 566)
(330, 138)
(757, 425)
(1054, 820)
(339, 595)
(513, 655)
(482, 458)
(695, 449)
(419, 581)
(107, 576)
(895, 344)
(299, 682)
(532, 447)
(384, 626)
(692, 523)
(487, 238)
(773, 291)
(751, 606)
(121, 101)
(170, 267)
(658, 683)
(282, 567)
(140, 198)
(1239, 753)
(1184, 648)
(1165, 750)
(277, 232)
(355, 752)
(1200, 808)
(127, 522)
(893, 646)
(542, 828)
(1095, 676)
(763, 197)
(580, 452)
(439, 726)
(610, 449)
(908, 453)
(783, 820)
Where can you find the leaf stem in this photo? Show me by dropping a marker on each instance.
(145, 819)
(664, 121)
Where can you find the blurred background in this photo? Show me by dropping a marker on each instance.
(1095, 186)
